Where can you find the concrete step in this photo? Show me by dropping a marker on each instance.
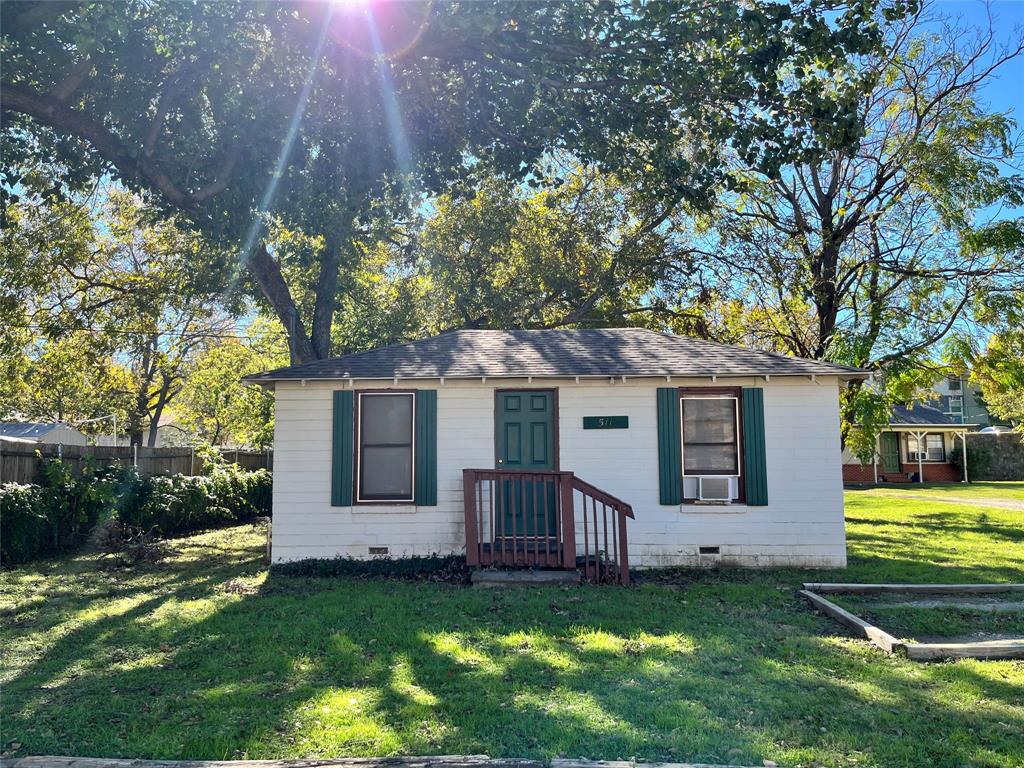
(494, 577)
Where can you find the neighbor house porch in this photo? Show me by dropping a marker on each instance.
(916, 447)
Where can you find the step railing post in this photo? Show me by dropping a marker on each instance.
(623, 549)
(568, 515)
(469, 505)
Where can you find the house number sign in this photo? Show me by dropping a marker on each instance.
(606, 422)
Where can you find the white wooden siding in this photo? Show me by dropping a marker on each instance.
(802, 524)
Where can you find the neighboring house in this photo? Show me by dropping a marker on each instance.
(960, 402)
(915, 447)
(537, 447)
(56, 433)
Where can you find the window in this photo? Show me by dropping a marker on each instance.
(955, 405)
(710, 435)
(954, 383)
(934, 448)
(384, 455)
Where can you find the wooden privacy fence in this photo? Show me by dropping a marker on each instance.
(19, 462)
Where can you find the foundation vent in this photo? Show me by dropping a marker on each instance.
(378, 550)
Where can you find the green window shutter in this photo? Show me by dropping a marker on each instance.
(670, 457)
(426, 448)
(755, 472)
(342, 448)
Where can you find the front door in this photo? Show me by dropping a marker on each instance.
(525, 441)
(889, 448)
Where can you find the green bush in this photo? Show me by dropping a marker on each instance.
(58, 514)
(24, 527)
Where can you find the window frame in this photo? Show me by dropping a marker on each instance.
(949, 405)
(912, 456)
(712, 393)
(357, 464)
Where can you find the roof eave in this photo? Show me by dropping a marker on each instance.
(843, 375)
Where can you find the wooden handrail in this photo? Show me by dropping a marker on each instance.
(603, 496)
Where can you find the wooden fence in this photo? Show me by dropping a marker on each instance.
(20, 462)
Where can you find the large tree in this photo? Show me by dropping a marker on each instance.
(874, 255)
(228, 112)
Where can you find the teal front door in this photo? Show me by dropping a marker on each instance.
(525, 442)
(889, 448)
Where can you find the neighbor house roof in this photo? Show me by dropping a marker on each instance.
(27, 430)
(556, 353)
(918, 415)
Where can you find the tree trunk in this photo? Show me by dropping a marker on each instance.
(158, 410)
(326, 299)
(267, 274)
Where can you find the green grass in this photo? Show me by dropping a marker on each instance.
(208, 657)
(1012, 490)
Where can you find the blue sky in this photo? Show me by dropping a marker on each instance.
(1005, 92)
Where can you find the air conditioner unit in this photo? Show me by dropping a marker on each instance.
(715, 488)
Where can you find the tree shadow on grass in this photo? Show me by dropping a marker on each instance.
(329, 667)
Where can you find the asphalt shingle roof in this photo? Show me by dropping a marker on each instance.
(922, 415)
(556, 353)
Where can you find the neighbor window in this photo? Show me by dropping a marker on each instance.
(384, 457)
(953, 383)
(934, 448)
(956, 405)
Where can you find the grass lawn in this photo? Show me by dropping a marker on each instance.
(208, 657)
(1012, 490)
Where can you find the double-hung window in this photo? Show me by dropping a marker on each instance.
(934, 448)
(710, 439)
(384, 447)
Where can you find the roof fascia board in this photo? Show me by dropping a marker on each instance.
(842, 375)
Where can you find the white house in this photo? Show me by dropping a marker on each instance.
(38, 432)
(563, 449)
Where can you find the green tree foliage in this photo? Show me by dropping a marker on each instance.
(998, 367)
(215, 406)
(873, 256)
(591, 250)
(107, 307)
(232, 113)
(73, 379)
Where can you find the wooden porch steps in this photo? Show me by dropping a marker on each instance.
(498, 577)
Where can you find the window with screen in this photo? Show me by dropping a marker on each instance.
(710, 435)
(384, 456)
(934, 448)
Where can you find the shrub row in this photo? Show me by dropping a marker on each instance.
(451, 568)
(57, 514)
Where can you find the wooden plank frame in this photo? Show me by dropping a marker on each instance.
(987, 649)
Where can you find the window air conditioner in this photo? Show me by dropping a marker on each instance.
(715, 488)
